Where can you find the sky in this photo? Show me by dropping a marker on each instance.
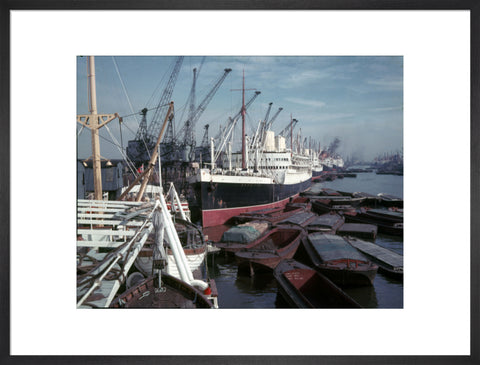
(358, 99)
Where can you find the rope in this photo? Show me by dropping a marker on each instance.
(128, 99)
(148, 109)
(124, 155)
(123, 86)
(80, 131)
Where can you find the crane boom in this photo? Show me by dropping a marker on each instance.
(273, 118)
(231, 120)
(205, 137)
(286, 130)
(192, 95)
(140, 149)
(161, 111)
(203, 105)
(188, 129)
(260, 135)
(265, 120)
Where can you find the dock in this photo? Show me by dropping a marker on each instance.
(388, 261)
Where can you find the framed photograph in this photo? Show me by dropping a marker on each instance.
(363, 82)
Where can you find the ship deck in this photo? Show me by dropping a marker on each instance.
(110, 234)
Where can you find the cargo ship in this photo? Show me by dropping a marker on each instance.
(222, 194)
(317, 167)
(265, 174)
(332, 163)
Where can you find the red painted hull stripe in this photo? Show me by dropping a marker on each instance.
(216, 217)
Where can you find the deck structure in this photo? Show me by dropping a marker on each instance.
(110, 234)
(388, 261)
(360, 230)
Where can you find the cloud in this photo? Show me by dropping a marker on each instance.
(387, 109)
(389, 84)
(313, 103)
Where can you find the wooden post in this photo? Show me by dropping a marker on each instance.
(146, 173)
(94, 122)
(153, 158)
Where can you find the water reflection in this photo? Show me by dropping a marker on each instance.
(364, 295)
(389, 291)
(259, 283)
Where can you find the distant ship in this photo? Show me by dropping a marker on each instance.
(317, 167)
(332, 163)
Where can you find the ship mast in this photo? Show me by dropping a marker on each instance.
(243, 123)
(243, 112)
(291, 133)
(94, 122)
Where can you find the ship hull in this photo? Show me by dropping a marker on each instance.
(221, 200)
(317, 173)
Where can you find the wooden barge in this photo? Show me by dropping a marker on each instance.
(326, 223)
(304, 287)
(334, 257)
(272, 215)
(389, 262)
(391, 201)
(322, 206)
(368, 231)
(265, 253)
(386, 222)
(300, 220)
(238, 237)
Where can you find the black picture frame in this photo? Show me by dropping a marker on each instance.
(5, 168)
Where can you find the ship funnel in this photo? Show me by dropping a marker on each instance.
(269, 141)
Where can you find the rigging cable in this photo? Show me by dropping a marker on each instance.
(124, 155)
(123, 86)
(128, 100)
(148, 109)
(128, 161)
(158, 86)
(80, 131)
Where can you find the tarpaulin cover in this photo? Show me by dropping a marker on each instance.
(326, 220)
(244, 233)
(330, 247)
(299, 218)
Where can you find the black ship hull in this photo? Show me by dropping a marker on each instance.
(220, 201)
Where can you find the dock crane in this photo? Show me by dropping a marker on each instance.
(265, 120)
(287, 132)
(273, 118)
(192, 97)
(202, 152)
(191, 110)
(140, 149)
(261, 128)
(265, 126)
(188, 129)
(205, 136)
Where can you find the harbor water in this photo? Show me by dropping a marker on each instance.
(260, 291)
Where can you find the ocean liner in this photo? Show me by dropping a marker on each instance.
(265, 174)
